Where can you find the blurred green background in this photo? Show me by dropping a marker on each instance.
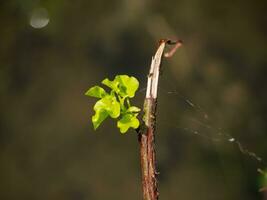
(51, 52)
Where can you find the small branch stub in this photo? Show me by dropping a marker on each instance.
(147, 133)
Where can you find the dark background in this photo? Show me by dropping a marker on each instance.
(48, 149)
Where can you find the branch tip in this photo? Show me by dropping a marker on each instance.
(176, 43)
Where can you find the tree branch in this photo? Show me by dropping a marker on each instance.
(147, 132)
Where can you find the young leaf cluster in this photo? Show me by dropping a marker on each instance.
(116, 103)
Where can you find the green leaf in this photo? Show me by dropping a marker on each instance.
(127, 121)
(99, 117)
(262, 179)
(111, 84)
(123, 85)
(96, 91)
(127, 85)
(107, 106)
(110, 104)
(133, 109)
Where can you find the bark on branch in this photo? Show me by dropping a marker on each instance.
(147, 132)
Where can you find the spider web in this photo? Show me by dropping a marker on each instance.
(204, 120)
(218, 134)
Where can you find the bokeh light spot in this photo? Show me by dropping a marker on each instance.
(39, 18)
